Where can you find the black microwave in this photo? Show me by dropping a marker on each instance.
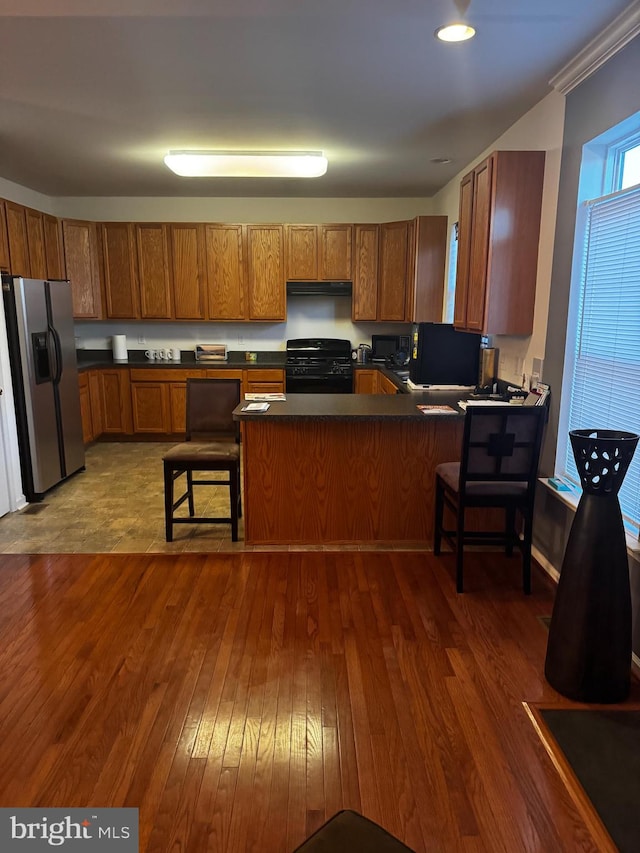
(384, 347)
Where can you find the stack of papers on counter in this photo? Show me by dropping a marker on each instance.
(271, 397)
(255, 407)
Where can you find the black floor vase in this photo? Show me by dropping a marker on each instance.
(589, 648)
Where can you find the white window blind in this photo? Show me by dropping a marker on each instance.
(605, 392)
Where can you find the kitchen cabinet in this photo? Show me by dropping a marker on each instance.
(336, 252)
(394, 256)
(153, 271)
(318, 252)
(115, 398)
(188, 270)
(226, 277)
(4, 243)
(85, 408)
(266, 282)
(35, 243)
(17, 239)
(80, 249)
(158, 399)
(54, 256)
(122, 298)
(365, 275)
(268, 381)
(499, 229)
(301, 252)
(366, 381)
(425, 275)
(386, 385)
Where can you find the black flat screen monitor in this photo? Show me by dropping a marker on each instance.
(440, 355)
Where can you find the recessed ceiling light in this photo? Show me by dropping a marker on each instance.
(247, 164)
(455, 32)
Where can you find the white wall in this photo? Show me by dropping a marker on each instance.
(539, 129)
(30, 198)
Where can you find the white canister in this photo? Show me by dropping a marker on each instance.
(119, 343)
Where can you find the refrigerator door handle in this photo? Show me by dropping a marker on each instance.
(57, 348)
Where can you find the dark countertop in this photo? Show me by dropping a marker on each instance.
(356, 407)
(88, 359)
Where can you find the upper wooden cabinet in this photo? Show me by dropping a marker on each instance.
(301, 259)
(120, 270)
(425, 275)
(226, 272)
(17, 239)
(318, 252)
(153, 272)
(499, 229)
(35, 243)
(188, 271)
(394, 266)
(54, 255)
(266, 282)
(82, 268)
(365, 274)
(4, 243)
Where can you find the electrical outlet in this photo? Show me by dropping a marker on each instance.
(240, 339)
(141, 339)
(538, 364)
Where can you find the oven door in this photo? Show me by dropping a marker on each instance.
(329, 383)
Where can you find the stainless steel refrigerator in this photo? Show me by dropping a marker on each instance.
(44, 373)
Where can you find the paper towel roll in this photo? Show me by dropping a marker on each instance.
(120, 348)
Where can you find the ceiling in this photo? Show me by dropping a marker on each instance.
(92, 99)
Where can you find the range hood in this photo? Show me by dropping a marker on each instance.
(318, 288)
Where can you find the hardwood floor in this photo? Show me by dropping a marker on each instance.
(239, 700)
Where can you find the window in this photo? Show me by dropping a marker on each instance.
(601, 387)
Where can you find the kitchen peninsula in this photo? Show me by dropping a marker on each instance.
(345, 468)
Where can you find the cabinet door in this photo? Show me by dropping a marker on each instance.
(150, 407)
(95, 395)
(267, 294)
(186, 249)
(4, 243)
(153, 272)
(425, 284)
(81, 267)
(120, 274)
(17, 238)
(386, 386)
(335, 252)
(394, 237)
(85, 408)
(54, 257)
(178, 406)
(116, 401)
(479, 246)
(35, 243)
(301, 252)
(226, 273)
(366, 381)
(464, 252)
(365, 278)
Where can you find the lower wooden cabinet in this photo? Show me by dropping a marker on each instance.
(115, 393)
(85, 408)
(91, 404)
(158, 400)
(269, 381)
(366, 381)
(385, 385)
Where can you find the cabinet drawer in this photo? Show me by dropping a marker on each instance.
(253, 376)
(159, 374)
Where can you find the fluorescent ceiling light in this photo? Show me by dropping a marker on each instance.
(455, 32)
(247, 164)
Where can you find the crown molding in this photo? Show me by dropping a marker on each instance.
(613, 38)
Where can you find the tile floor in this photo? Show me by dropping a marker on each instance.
(117, 504)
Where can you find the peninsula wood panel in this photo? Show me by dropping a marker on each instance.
(188, 271)
(225, 272)
(153, 272)
(323, 481)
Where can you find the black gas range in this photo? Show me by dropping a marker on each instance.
(319, 366)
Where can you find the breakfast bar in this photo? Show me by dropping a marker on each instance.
(345, 468)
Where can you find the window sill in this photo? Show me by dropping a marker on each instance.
(571, 499)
